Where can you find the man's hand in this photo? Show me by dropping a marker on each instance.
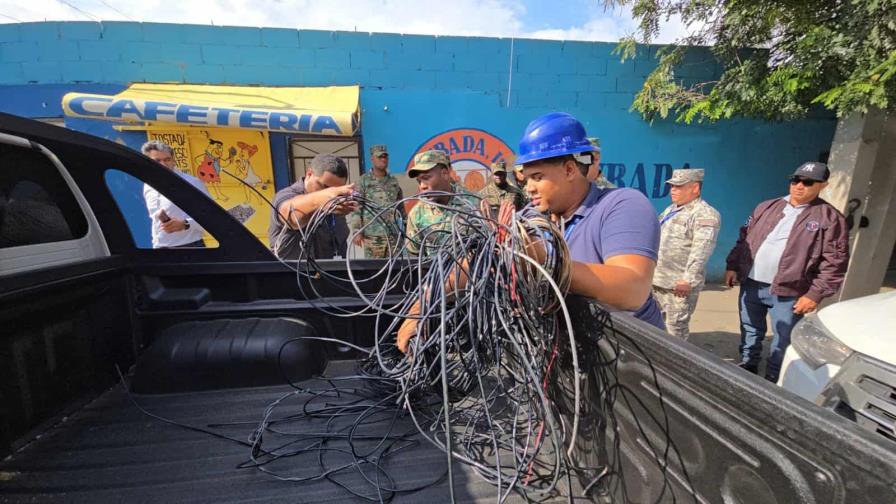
(358, 239)
(173, 225)
(682, 289)
(408, 328)
(804, 305)
(345, 207)
(730, 278)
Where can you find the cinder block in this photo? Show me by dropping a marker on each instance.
(591, 66)
(204, 74)
(530, 98)
(99, 50)
(121, 31)
(215, 54)
(10, 32)
(295, 56)
(225, 35)
(11, 73)
(120, 72)
(531, 63)
(258, 55)
(604, 50)
(643, 67)
(548, 48)
(80, 30)
(366, 59)
(58, 50)
(619, 101)
(165, 32)
(41, 72)
(385, 78)
(352, 40)
(17, 52)
(82, 71)
(488, 81)
(386, 42)
(156, 52)
(279, 37)
(418, 44)
(601, 84)
(162, 72)
(591, 101)
(331, 58)
(39, 31)
(629, 84)
(437, 61)
(491, 47)
(614, 67)
(576, 50)
(315, 39)
(560, 99)
(472, 62)
(348, 77)
(398, 61)
(453, 45)
(574, 83)
(454, 80)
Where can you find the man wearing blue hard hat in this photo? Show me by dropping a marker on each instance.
(613, 234)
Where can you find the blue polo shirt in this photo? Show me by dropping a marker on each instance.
(612, 222)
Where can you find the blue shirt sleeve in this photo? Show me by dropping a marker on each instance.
(630, 225)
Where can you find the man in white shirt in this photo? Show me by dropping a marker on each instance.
(171, 227)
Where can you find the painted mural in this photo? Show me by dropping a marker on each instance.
(472, 152)
(235, 166)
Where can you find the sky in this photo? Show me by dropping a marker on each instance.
(543, 19)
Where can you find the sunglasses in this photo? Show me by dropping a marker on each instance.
(800, 180)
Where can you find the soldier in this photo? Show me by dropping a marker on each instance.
(499, 189)
(689, 228)
(432, 170)
(594, 173)
(381, 235)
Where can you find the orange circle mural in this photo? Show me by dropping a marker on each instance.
(472, 151)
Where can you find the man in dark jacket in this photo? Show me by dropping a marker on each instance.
(791, 254)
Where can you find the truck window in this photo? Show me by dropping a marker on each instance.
(134, 199)
(36, 205)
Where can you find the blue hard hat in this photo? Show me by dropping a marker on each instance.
(552, 135)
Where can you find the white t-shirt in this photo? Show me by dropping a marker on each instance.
(768, 257)
(156, 202)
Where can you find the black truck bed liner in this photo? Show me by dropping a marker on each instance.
(110, 451)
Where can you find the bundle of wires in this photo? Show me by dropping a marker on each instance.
(492, 377)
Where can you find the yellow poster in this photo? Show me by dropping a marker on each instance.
(235, 166)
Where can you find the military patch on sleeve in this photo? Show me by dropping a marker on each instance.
(707, 222)
(705, 232)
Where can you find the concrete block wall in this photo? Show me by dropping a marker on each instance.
(536, 74)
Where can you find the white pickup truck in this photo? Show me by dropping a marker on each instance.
(844, 358)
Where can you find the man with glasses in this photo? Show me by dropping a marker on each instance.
(791, 254)
(379, 236)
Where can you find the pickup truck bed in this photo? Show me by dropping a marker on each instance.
(110, 451)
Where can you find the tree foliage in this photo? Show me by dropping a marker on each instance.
(778, 58)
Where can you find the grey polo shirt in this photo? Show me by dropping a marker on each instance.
(768, 257)
(330, 239)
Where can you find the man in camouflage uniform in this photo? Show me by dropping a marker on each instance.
(689, 228)
(499, 189)
(432, 170)
(594, 174)
(378, 236)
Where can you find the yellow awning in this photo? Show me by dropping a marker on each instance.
(330, 111)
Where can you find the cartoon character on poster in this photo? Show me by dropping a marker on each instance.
(210, 165)
(245, 171)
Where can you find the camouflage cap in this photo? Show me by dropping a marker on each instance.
(595, 142)
(427, 160)
(499, 166)
(518, 168)
(378, 150)
(686, 175)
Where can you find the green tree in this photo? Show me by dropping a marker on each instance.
(778, 58)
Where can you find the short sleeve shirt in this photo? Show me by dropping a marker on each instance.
(612, 222)
(330, 239)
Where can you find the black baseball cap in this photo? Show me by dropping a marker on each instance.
(813, 170)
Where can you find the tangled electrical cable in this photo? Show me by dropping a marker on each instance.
(493, 377)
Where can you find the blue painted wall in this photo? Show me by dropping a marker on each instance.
(414, 87)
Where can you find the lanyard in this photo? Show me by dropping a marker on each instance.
(669, 216)
(569, 225)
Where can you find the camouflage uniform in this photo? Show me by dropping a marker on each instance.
(379, 235)
(425, 217)
(495, 195)
(687, 239)
(601, 181)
